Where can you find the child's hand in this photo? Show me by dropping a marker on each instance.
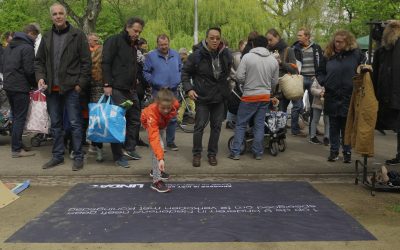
(161, 165)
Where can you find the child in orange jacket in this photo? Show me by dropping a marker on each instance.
(155, 119)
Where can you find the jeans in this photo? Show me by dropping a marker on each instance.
(246, 111)
(308, 81)
(295, 113)
(132, 116)
(315, 121)
(56, 103)
(204, 112)
(230, 117)
(154, 161)
(337, 127)
(19, 103)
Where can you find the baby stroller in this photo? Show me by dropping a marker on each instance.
(274, 130)
(5, 113)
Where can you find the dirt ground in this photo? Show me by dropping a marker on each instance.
(377, 214)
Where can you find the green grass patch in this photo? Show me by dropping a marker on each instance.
(396, 208)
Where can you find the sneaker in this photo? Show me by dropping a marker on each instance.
(160, 187)
(326, 141)
(347, 157)
(315, 140)
(123, 163)
(300, 134)
(132, 155)
(22, 153)
(164, 175)
(99, 156)
(393, 162)
(172, 147)
(78, 165)
(234, 157)
(196, 161)
(333, 157)
(52, 163)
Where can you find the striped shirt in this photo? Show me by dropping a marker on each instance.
(308, 67)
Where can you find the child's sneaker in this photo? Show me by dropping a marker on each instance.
(160, 187)
(347, 157)
(164, 175)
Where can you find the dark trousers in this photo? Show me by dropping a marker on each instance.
(132, 116)
(308, 81)
(204, 112)
(337, 126)
(56, 103)
(19, 103)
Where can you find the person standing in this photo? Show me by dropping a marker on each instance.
(162, 69)
(259, 71)
(287, 65)
(120, 70)
(342, 57)
(62, 68)
(209, 66)
(19, 78)
(309, 54)
(386, 78)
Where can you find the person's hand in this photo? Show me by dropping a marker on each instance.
(78, 89)
(107, 91)
(161, 165)
(274, 101)
(193, 95)
(42, 85)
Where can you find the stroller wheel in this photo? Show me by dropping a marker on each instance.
(35, 142)
(282, 145)
(273, 148)
(242, 148)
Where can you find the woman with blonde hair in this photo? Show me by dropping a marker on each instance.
(341, 59)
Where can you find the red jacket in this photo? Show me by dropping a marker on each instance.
(152, 120)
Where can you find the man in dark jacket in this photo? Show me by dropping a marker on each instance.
(209, 68)
(120, 71)
(310, 55)
(19, 77)
(63, 68)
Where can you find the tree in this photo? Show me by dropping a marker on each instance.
(87, 21)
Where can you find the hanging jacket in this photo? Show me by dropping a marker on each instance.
(152, 120)
(362, 116)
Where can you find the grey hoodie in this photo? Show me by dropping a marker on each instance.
(259, 71)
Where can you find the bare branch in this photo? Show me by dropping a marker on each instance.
(71, 13)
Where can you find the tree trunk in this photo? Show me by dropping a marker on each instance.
(87, 22)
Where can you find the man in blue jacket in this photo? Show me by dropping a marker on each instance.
(162, 69)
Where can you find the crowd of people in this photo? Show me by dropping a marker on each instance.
(74, 69)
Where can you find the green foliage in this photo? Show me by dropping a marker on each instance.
(236, 17)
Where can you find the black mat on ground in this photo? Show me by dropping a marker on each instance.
(193, 212)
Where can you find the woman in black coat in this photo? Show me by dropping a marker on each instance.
(336, 71)
(386, 78)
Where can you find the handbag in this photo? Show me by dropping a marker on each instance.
(37, 120)
(107, 122)
(291, 85)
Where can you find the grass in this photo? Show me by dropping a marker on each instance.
(396, 208)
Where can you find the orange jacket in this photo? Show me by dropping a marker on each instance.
(152, 120)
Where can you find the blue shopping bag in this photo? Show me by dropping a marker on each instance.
(107, 122)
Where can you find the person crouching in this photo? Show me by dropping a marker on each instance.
(155, 119)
